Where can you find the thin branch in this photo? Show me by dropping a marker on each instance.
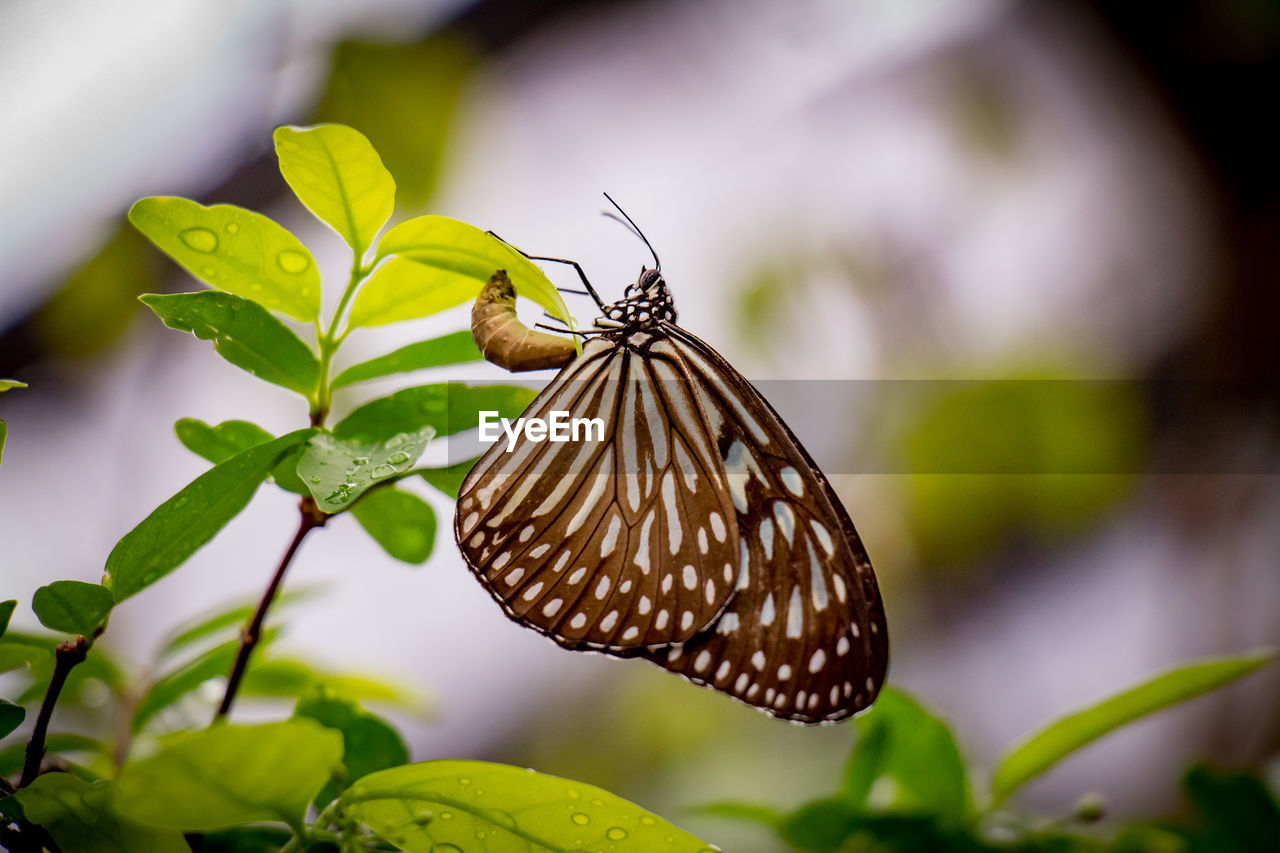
(66, 656)
(311, 518)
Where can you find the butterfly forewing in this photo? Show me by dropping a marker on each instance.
(604, 544)
(803, 635)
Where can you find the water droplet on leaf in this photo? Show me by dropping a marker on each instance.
(199, 239)
(580, 819)
(615, 833)
(292, 262)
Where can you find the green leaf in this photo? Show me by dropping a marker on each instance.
(181, 525)
(401, 289)
(4, 433)
(6, 611)
(73, 607)
(1059, 739)
(235, 250)
(174, 685)
(19, 655)
(12, 756)
(11, 716)
(221, 442)
(456, 348)
(453, 262)
(369, 742)
(905, 762)
(228, 775)
(822, 825)
(244, 333)
(79, 817)
(457, 802)
(446, 407)
(226, 617)
(768, 816)
(33, 655)
(449, 479)
(337, 471)
(6, 384)
(250, 839)
(403, 524)
(337, 175)
(1237, 814)
(283, 678)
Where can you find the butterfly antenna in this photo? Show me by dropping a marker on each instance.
(657, 264)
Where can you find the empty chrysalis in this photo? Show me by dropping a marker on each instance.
(507, 342)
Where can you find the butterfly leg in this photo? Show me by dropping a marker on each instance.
(591, 291)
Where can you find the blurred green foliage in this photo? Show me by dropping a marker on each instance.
(907, 788)
(1026, 456)
(96, 303)
(404, 97)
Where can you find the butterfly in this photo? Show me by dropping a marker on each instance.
(698, 535)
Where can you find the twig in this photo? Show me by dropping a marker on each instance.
(311, 518)
(66, 656)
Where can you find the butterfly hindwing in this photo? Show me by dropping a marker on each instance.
(803, 636)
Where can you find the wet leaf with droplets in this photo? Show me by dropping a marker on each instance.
(235, 250)
(244, 333)
(339, 471)
(337, 174)
(181, 525)
(222, 441)
(504, 808)
(446, 407)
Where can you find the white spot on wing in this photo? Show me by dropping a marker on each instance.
(791, 479)
(674, 533)
(766, 611)
(728, 624)
(824, 538)
(610, 540)
(690, 577)
(717, 526)
(766, 538)
(795, 614)
(786, 519)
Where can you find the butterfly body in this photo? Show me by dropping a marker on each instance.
(699, 534)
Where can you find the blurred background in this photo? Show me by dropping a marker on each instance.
(838, 190)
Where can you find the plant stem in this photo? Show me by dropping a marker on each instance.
(66, 656)
(329, 341)
(311, 518)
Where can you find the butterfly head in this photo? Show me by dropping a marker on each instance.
(645, 303)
